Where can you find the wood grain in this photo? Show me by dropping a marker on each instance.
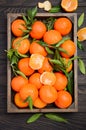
(18, 121)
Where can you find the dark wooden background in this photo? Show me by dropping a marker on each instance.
(18, 121)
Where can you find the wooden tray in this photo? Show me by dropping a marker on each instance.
(11, 107)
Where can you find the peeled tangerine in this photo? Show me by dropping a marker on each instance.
(81, 34)
(69, 5)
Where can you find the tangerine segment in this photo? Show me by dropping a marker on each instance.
(69, 5)
(48, 94)
(48, 78)
(22, 45)
(35, 79)
(52, 37)
(38, 30)
(36, 61)
(24, 67)
(28, 90)
(19, 102)
(81, 34)
(63, 25)
(69, 47)
(64, 99)
(61, 81)
(37, 48)
(38, 103)
(18, 26)
(46, 66)
(18, 82)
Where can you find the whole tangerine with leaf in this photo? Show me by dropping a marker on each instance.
(38, 30)
(18, 27)
(52, 37)
(35, 47)
(23, 66)
(22, 45)
(69, 47)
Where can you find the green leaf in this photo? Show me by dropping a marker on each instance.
(70, 82)
(14, 60)
(62, 50)
(62, 41)
(20, 73)
(81, 66)
(34, 11)
(22, 55)
(81, 20)
(55, 117)
(30, 102)
(55, 9)
(80, 46)
(34, 117)
(49, 51)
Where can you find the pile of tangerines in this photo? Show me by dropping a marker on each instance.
(43, 85)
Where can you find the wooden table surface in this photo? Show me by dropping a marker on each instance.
(18, 121)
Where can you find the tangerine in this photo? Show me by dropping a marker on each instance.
(28, 90)
(69, 47)
(18, 27)
(63, 25)
(19, 102)
(38, 30)
(81, 34)
(21, 45)
(52, 37)
(48, 78)
(69, 5)
(23, 65)
(35, 79)
(64, 99)
(61, 81)
(18, 82)
(36, 61)
(48, 94)
(37, 48)
(46, 66)
(38, 103)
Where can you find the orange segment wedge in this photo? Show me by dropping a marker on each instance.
(36, 61)
(81, 34)
(48, 78)
(69, 5)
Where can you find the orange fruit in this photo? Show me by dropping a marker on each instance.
(18, 82)
(35, 79)
(37, 48)
(23, 66)
(48, 78)
(63, 25)
(18, 27)
(46, 66)
(36, 61)
(28, 90)
(38, 103)
(38, 30)
(64, 99)
(81, 34)
(68, 67)
(19, 102)
(21, 45)
(70, 47)
(48, 94)
(69, 5)
(52, 37)
(61, 81)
